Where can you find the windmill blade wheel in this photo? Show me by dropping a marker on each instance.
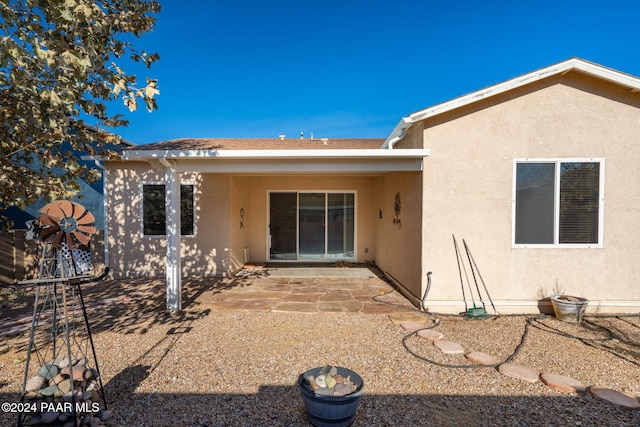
(66, 221)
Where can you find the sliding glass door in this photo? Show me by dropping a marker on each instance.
(316, 226)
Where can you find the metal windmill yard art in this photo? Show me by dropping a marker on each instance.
(68, 221)
(62, 384)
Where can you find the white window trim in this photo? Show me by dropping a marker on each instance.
(164, 236)
(557, 161)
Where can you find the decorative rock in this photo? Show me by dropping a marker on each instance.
(64, 387)
(48, 371)
(35, 383)
(91, 374)
(328, 370)
(339, 378)
(520, 372)
(412, 326)
(615, 398)
(61, 361)
(76, 371)
(482, 358)
(324, 391)
(449, 347)
(320, 381)
(72, 395)
(562, 383)
(329, 381)
(343, 389)
(49, 391)
(430, 334)
(56, 380)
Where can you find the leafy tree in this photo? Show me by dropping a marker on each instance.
(60, 67)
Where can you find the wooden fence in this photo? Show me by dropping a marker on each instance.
(19, 257)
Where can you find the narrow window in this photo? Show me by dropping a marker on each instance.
(154, 213)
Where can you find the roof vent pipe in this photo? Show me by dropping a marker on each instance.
(282, 137)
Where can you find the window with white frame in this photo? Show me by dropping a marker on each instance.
(154, 217)
(558, 202)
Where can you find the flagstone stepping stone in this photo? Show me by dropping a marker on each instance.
(615, 398)
(482, 358)
(430, 334)
(562, 383)
(449, 347)
(401, 317)
(523, 373)
(412, 326)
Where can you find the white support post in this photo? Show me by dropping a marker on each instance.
(174, 264)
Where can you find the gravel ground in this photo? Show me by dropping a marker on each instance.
(232, 368)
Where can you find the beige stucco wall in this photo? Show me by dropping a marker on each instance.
(207, 253)
(468, 184)
(399, 238)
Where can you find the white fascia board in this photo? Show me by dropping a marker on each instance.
(398, 133)
(596, 70)
(273, 154)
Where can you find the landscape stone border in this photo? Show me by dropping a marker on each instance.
(524, 373)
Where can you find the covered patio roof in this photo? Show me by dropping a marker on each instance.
(264, 155)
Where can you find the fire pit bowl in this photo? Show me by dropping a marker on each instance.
(334, 411)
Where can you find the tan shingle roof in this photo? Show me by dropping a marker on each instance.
(263, 144)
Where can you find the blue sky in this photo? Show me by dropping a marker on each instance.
(352, 68)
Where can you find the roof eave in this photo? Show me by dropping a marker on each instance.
(130, 155)
(586, 67)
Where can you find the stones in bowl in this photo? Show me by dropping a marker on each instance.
(330, 383)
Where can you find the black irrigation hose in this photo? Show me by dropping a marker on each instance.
(530, 320)
(436, 323)
(556, 331)
(445, 365)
